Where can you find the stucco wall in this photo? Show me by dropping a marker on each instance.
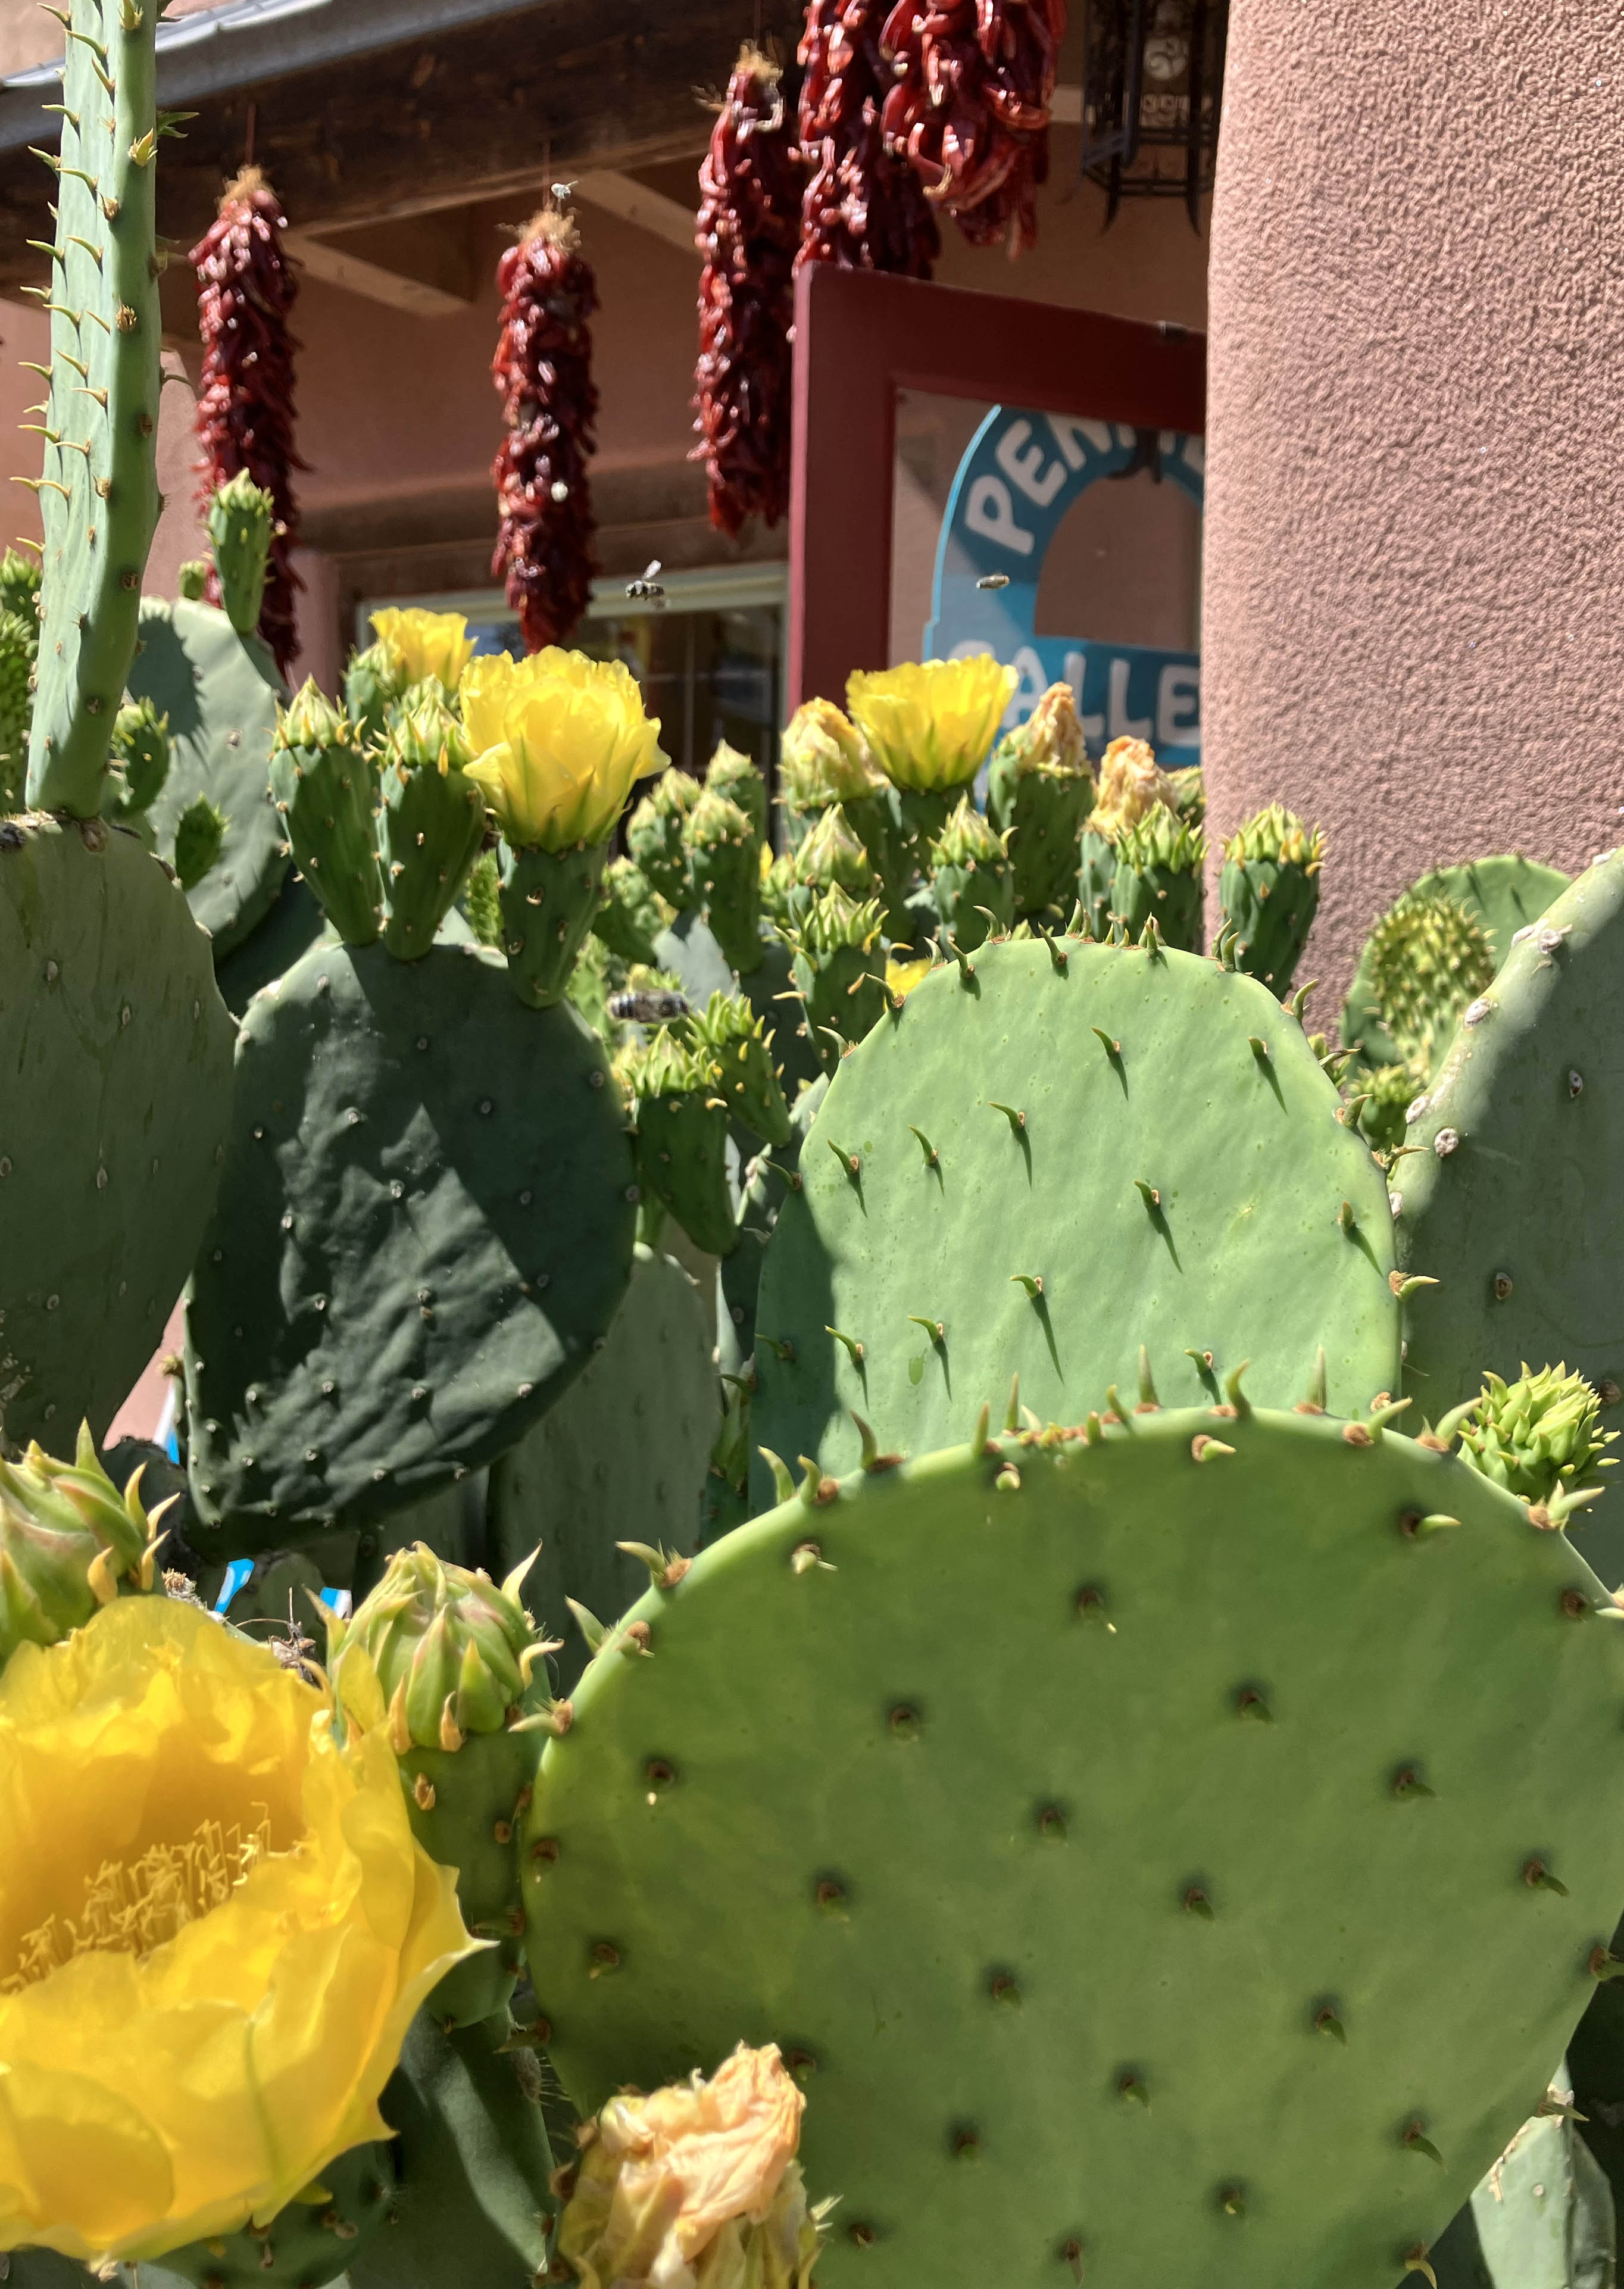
(1414, 570)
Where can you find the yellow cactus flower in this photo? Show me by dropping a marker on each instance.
(215, 1926)
(901, 976)
(929, 723)
(696, 2187)
(422, 644)
(558, 740)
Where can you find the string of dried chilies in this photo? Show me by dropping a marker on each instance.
(543, 371)
(864, 208)
(246, 287)
(747, 230)
(968, 108)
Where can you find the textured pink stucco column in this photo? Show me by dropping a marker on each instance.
(1413, 608)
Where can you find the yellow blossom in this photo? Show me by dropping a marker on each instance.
(421, 644)
(929, 723)
(901, 976)
(696, 2187)
(215, 1926)
(823, 758)
(558, 740)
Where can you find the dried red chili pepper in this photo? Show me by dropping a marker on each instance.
(864, 208)
(543, 372)
(246, 287)
(968, 107)
(748, 229)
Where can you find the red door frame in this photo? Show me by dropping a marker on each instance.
(859, 339)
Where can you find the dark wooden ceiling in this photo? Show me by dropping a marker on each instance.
(434, 113)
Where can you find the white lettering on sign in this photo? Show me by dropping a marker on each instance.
(1123, 726)
(1023, 464)
(1030, 690)
(1066, 430)
(990, 512)
(1077, 663)
(1178, 704)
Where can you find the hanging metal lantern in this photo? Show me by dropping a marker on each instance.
(1153, 91)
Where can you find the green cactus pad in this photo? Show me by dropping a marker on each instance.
(1542, 2218)
(623, 1456)
(219, 694)
(116, 1050)
(1505, 895)
(294, 923)
(473, 2161)
(1515, 1201)
(1121, 1847)
(310, 2242)
(428, 1197)
(98, 483)
(548, 899)
(1096, 1117)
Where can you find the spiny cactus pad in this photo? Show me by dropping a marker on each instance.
(220, 693)
(623, 1456)
(1111, 1914)
(424, 1224)
(1515, 1200)
(1097, 1119)
(1504, 894)
(116, 1050)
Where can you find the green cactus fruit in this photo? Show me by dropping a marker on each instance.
(1158, 878)
(241, 521)
(116, 1050)
(655, 836)
(682, 1139)
(823, 758)
(724, 861)
(1504, 895)
(452, 1657)
(192, 580)
(778, 889)
(99, 487)
(738, 1049)
(429, 830)
(199, 831)
(832, 853)
(971, 878)
(19, 586)
(1428, 957)
(1039, 790)
(1270, 891)
(625, 1453)
(310, 2241)
(1513, 1198)
(1541, 2217)
(473, 2162)
(1389, 1092)
(1027, 1740)
(69, 1543)
(548, 900)
(734, 776)
(482, 902)
(1006, 1176)
(429, 1192)
(141, 749)
(373, 682)
(1187, 794)
(1535, 1436)
(324, 785)
(630, 914)
(838, 972)
(19, 646)
(219, 694)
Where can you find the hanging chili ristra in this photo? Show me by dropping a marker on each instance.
(245, 293)
(748, 228)
(967, 105)
(863, 208)
(543, 372)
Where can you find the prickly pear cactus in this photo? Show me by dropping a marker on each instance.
(1515, 1197)
(838, 972)
(1071, 1963)
(971, 878)
(1158, 878)
(724, 865)
(430, 826)
(1270, 890)
(682, 1138)
(1039, 790)
(220, 693)
(69, 1541)
(1535, 1437)
(324, 785)
(99, 490)
(1006, 1175)
(242, 520)
(1428, 958)
(655, 837)
(624, 1455)
(1541, 2218)
(1503, 895)
(313, 2240)
(19, 645)
(429, 1196)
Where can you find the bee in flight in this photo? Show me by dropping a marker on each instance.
(987, 580)
(648, 589)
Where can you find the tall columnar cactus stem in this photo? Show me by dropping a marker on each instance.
(99, 490)
(246, 289)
